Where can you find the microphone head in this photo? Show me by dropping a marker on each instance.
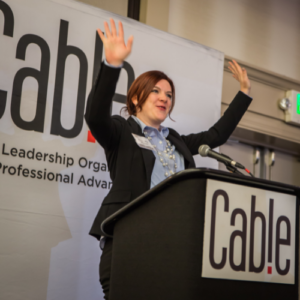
(203, 150)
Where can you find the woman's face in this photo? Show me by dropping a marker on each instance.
(157, 106)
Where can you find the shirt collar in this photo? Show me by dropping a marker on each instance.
(151, 130)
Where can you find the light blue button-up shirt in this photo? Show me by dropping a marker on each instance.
(158, 140)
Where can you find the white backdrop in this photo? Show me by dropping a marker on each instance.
(45, 249)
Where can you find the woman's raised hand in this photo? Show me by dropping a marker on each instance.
(240, 74)
(114, 46)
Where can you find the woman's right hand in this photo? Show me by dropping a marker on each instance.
(114, 46)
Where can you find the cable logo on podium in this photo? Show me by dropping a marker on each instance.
(249, 234)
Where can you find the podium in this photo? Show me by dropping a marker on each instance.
(169, 242)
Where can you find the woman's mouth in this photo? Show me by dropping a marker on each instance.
(161, 107)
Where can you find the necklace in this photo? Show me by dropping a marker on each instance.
(167, 152)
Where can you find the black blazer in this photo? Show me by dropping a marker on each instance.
(131, 166)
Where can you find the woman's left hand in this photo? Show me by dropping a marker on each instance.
(240, 74)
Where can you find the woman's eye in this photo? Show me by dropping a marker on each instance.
(155, 91)
(169, 96)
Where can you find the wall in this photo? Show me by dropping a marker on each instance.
(264, 37)
(115, 6)
(263, 33)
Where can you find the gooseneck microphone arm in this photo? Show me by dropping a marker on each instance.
(231, 165)
(204, 150)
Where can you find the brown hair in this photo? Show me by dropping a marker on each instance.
(142, 87)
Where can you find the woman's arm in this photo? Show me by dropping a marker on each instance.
(221, 131)
(103, 126)
(107, 129)
(218, 134)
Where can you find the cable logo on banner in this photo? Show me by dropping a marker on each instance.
(42, 77)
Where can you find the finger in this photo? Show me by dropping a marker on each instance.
(233, 67)
(113, 27)
(121, 31)
(107, 31)
(245, 75)
(100, 33)
(129, 43)
(231, 70)
(237, 66)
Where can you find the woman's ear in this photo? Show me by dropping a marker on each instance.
(134, 100)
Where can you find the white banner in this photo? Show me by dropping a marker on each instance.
(249, 234)
(53, 176)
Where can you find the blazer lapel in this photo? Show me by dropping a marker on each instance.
(148, 156)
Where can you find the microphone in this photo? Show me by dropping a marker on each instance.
(204, 150)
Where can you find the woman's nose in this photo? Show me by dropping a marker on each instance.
(163, 97)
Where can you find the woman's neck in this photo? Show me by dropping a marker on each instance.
(149, 123)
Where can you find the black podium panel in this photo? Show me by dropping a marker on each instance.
(158, 244)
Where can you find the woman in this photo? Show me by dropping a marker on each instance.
(141, 152)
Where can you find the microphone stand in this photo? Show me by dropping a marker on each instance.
(231, 168)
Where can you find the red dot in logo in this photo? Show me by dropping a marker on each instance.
(269, 270)
(90, 138)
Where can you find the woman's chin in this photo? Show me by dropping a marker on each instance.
(162, 115)
(160, 119)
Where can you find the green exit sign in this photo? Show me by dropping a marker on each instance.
(292, 111)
